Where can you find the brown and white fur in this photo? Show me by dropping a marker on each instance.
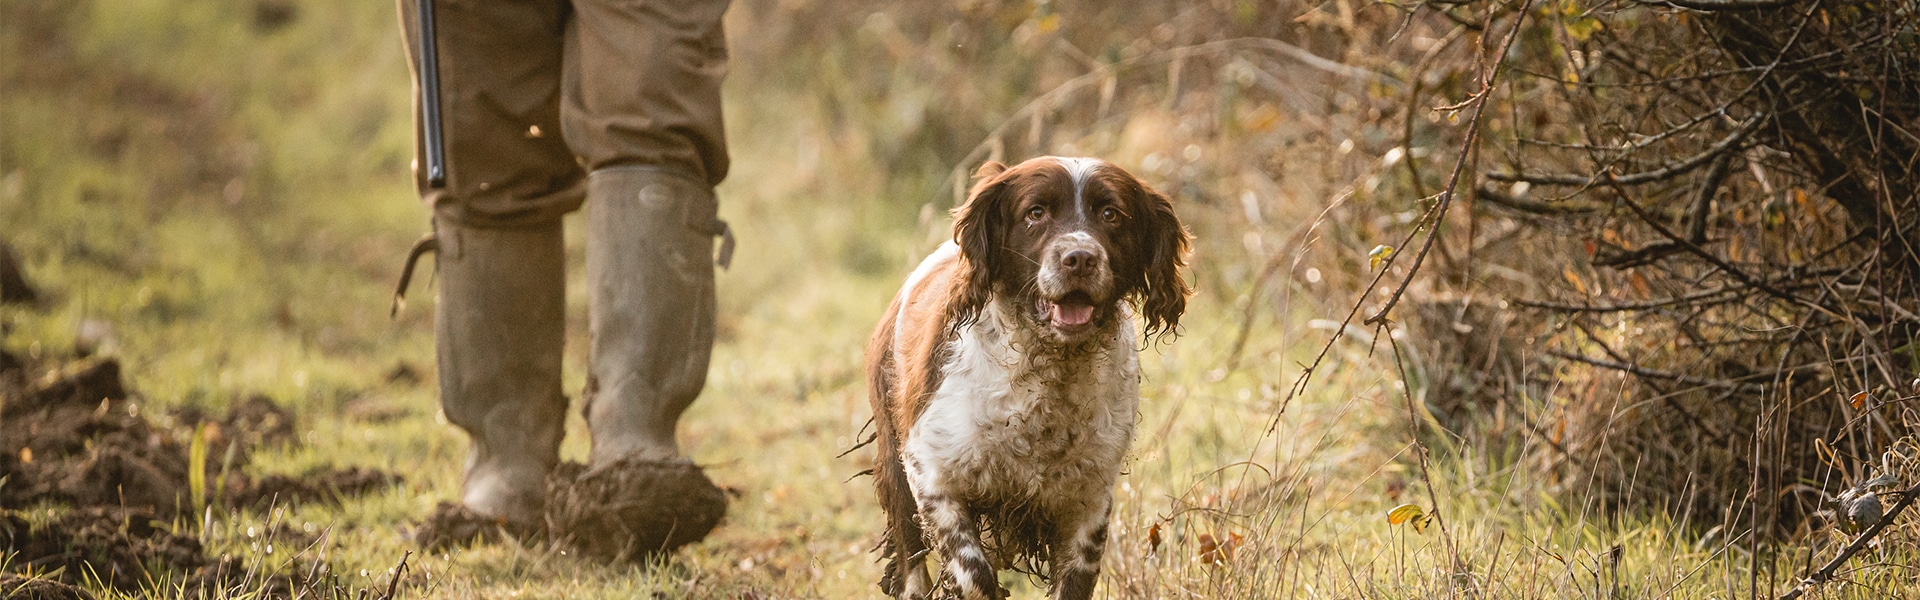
(1005, 375)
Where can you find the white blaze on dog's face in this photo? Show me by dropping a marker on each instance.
(1071, 238)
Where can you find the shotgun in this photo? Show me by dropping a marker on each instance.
(432, 135)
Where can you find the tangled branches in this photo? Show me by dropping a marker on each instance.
(1718, 202)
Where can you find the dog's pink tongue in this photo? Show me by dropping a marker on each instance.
(1072, 314)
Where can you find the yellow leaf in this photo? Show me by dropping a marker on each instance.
(1405, 512)
(26, 456)
(1378, 255)
(1582, 28)
(1049, 23)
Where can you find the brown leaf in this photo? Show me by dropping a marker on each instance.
(1574, 278)
(1639, 283)
(1218, 552)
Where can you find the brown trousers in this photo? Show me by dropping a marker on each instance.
(536, 93)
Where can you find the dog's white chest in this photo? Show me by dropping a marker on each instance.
(1006, 425)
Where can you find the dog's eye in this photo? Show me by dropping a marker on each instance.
(1035, 213)
(1110, 214)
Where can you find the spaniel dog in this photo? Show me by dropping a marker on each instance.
(1005, 376)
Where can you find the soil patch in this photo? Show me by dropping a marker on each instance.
(452, 525)
(15, 587)
(117, 483)
(328, 486)
(14, 288)
(116, 545)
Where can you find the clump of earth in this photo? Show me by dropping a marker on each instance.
(92, 489)
(634, 509)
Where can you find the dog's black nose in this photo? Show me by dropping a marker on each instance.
(1077, 261)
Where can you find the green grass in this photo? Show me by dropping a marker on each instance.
(234, 203)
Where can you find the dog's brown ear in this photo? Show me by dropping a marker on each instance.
(1166, 245)
(980, 227)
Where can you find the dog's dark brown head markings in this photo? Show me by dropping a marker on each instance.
(1071, 237)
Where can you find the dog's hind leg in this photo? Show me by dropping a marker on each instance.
(905, 574)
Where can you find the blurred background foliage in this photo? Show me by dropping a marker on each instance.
(219, 191)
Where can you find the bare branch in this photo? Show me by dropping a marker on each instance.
(1567, 207)
(1702, 209)
(1657, 374)
(1719, 5)
(1661, 174)
(1490, 78)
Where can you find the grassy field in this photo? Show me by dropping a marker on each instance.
(223, 190)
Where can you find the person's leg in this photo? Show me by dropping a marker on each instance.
(499, 325)
(642, 109)
(499, 331)
(650, 276)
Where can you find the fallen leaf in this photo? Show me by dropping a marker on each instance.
(1403, 513)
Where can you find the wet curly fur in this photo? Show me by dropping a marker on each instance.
(1004, 377)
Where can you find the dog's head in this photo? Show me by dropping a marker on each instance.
(1066, 240)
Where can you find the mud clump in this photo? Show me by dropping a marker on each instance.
(75, 439)
(452, 525)
(326, 486)
(14, 288)
(117, 545)
(633, 509)
(116, 485)
(15, 587)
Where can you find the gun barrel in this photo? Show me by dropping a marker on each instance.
(432, 135)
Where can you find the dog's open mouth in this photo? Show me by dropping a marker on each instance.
(1071, 312)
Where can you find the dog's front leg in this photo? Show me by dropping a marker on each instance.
(1077, 548)
(958, 537)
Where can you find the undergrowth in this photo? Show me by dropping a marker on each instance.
(217, 193)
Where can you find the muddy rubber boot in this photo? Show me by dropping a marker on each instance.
(500, 328)
(650, 269)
